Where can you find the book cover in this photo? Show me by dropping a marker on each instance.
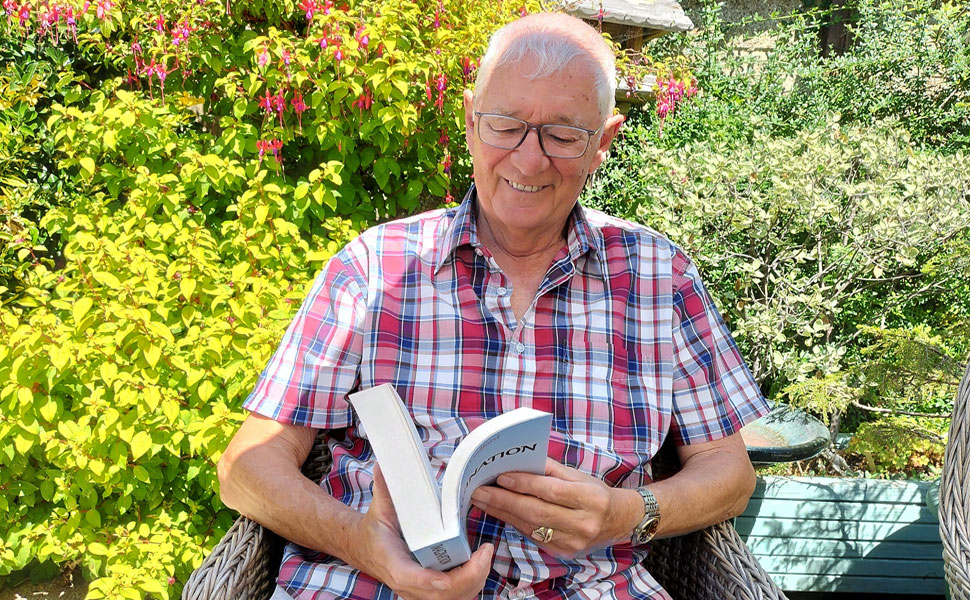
(433, 517)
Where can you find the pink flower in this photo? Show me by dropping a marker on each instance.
(266, 103)
(309, 8)
(104, 6)
(263, 57)
(298, 107)
(286, 58)
(446, 163)
(160, 23)
(364, 101)
(323, 43)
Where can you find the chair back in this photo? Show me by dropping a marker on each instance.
(955, 496)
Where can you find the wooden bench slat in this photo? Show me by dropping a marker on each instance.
(831, 565)
(835, 530)
(850, 584)
(810, 510)
(821, 489)
(867, 549)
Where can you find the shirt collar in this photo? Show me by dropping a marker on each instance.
(462, 230)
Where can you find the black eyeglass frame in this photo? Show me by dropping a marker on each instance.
(538, 129)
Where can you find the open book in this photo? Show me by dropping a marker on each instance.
(433, 518)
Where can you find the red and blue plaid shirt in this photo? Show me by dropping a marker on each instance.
(622, 345)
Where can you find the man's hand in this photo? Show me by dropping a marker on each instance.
(383, 554)
(584, 513)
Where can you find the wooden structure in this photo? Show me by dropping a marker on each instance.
(845, 535)
(632, 23)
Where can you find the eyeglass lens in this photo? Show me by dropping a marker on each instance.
(560, 141)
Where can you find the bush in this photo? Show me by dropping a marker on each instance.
(909, 61)
(209, 162)
(803, 239)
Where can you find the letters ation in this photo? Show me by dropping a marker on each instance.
(441, 554)
(510, 452)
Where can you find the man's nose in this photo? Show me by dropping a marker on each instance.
(529, 156)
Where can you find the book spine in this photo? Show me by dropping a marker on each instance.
(444, 555)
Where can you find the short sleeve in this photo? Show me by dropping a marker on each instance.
(714, 393)
(318, 360)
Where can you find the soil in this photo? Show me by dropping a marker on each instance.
(66, 587)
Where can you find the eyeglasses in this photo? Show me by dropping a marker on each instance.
(556, 141)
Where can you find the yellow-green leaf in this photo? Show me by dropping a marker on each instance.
(140, 444)
(81, 308)
(187, 286)
(206, 389)
(87, 164)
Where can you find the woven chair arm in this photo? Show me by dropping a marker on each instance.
(242, 566)
(955, 497)
(711, 564)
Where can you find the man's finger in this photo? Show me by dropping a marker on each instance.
(381, 501)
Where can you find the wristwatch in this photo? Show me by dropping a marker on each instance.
(647, 528)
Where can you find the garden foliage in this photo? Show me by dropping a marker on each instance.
(826, 200)
(173, 176)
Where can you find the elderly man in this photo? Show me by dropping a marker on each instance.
(519, 297)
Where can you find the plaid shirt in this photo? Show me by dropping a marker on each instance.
(622, 345)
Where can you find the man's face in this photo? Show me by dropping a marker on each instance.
(523, 192)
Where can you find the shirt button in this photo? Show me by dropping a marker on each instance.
(479, 251)
(520, 347)
(521, 593)
(501, 291)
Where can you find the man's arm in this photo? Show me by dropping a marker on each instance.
(260, 477)
(714, 484)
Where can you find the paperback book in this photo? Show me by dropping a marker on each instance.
(433, 516)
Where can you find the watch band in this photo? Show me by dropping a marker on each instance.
(647, 528)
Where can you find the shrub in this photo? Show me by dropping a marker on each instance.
(210, 162)
(909, 60)
(803, 239)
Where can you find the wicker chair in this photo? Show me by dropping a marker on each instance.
(712, 564)
(955, 497)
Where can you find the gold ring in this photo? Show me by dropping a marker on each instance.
(543, 534)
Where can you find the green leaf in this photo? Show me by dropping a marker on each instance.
(98, 549)
(81, 308)
(140, 444)
(187, 287)
(87, 165)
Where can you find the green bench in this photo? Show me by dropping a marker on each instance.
(845, 535)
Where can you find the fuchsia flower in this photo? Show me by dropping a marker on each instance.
(361, 36)
(267, 103)
(446, 163)
(309, 7)
(441, 85)
(323, 43)
(298, 107)
(279, 104)
(364, 101)
(24, 14)
(181, 33)
(263, 57)
(104, 6)
(670, 93)
(160, 23)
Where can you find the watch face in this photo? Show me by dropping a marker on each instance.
(645, 534)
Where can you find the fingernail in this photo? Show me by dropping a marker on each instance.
(506, 480)
(480, 497)
(439, 584)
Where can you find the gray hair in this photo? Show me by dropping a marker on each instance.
(553, 40)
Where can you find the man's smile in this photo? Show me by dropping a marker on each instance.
(523, 188)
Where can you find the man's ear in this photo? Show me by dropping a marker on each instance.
(469, 102)
(610, 129)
